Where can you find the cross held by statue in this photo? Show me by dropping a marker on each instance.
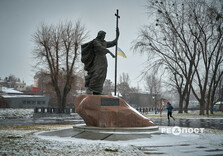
(117, 14)
(117, 17)
(116, 47)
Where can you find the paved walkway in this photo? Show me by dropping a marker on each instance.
(213, 123)
(186, 144)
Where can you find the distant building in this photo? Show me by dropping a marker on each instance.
(21, 86)
(23, 101)
(36, 80)
(12, 82)
(12, 92)
(194, 104)
(219, 106)
(35, 89)
(144, 100)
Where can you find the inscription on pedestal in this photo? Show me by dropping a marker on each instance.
(109, 102)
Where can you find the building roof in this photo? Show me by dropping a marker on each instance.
(21, 96)
(10, 91)
(219, 103)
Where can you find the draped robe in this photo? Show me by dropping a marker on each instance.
(95, 61)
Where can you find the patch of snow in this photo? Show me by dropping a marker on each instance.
(28, 142)
(118, 94)
(16, 113)
(23, 142)
(21, 96)
(134, 110)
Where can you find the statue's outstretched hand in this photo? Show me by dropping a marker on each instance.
(112, 54)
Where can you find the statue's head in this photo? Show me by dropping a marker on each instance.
(101, 35)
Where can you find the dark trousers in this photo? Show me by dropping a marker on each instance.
(169, 114)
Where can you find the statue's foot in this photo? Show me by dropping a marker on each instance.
(88, 91)
(96, 93)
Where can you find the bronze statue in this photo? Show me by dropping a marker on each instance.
(93, 55)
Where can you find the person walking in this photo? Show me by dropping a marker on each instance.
(169, 112)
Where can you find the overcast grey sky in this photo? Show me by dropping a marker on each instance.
(20, 18)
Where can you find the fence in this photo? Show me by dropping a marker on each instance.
(53, 110)
(146, 109)
(72, 110)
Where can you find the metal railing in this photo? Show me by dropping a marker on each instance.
(146, 109)
(53, 110)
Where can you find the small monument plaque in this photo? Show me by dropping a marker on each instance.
(109, 102)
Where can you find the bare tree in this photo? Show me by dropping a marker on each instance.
(124, 78)
(124, 86)
(185, 38)
(57, 50)
(164, 48)
(208, 33)
(108, 87)
(153, 84)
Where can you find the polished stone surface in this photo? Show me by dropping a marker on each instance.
(116, 113)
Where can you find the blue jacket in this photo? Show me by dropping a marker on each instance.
(169, 108)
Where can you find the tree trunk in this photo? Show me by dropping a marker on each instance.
(59, 104)
(212, 107)
(207, 108)
(181, 100)
(63, 103)
(202, 107)
(67, 89)
(64, 98)
(186, 105)
(58, 93)
(187, 100)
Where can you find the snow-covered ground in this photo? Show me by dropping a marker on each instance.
(26, 140)
(209, 142)
(16, 113)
